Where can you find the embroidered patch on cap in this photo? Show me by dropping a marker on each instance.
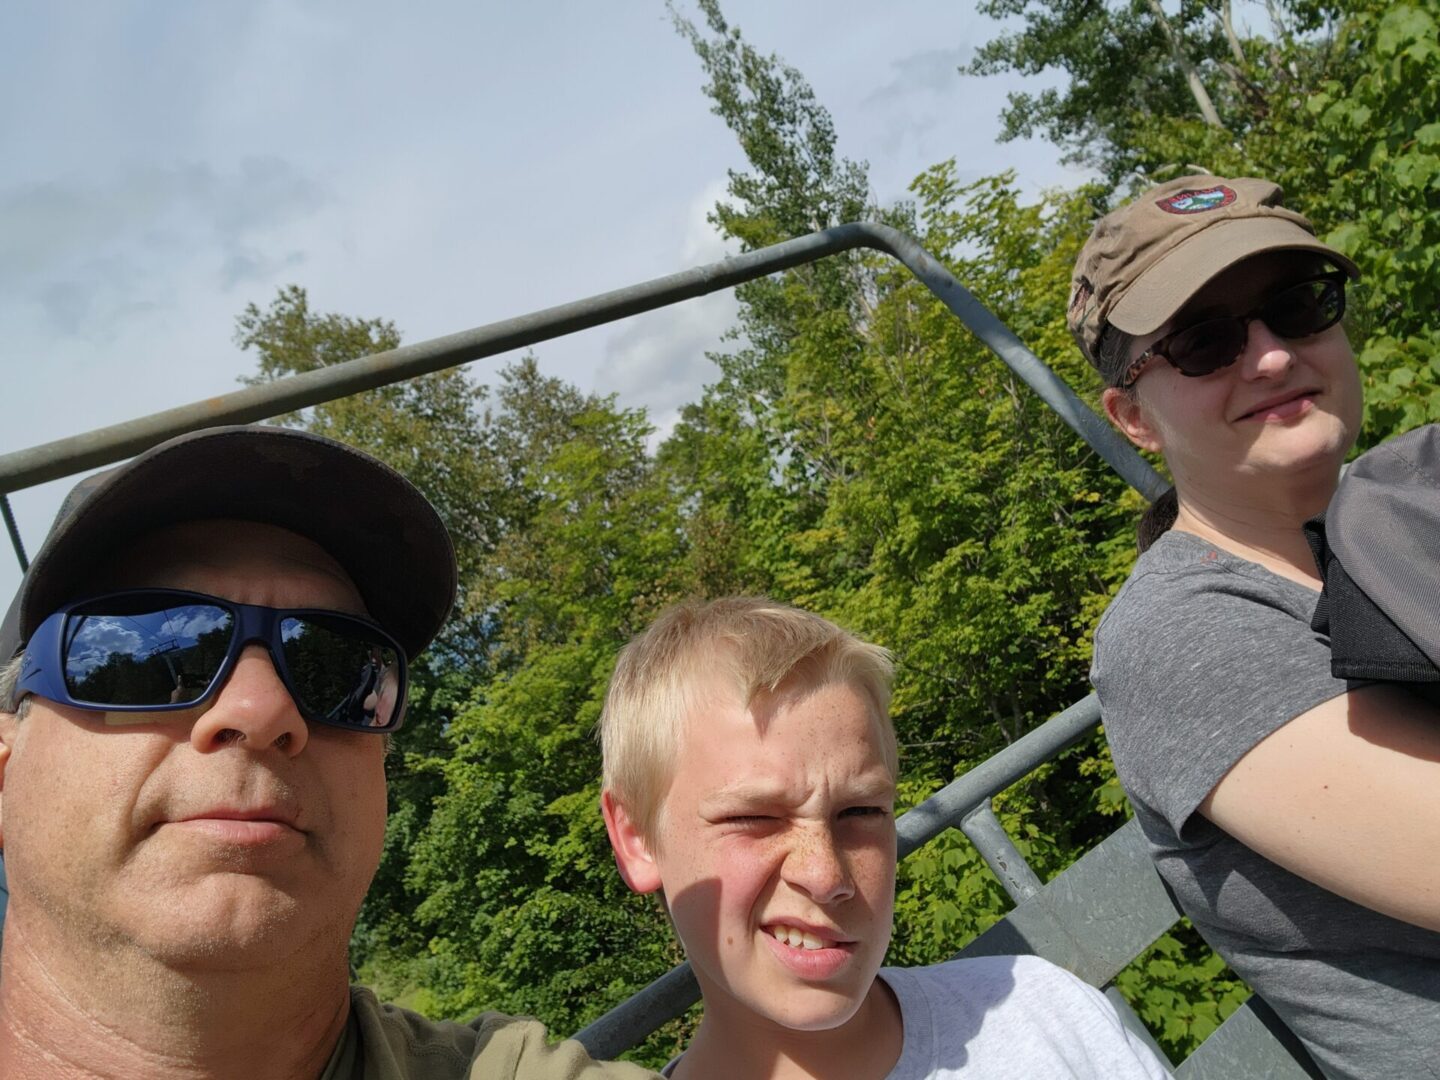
(1198, 201)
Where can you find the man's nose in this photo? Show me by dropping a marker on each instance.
(252, 709)
(818, 867)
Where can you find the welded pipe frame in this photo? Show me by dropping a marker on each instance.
(103, 446)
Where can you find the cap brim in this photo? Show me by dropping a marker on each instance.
(1165, 288)
(369, 518)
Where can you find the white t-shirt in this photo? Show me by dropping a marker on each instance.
(1011, 1018)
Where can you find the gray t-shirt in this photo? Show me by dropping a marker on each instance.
(1200, 656)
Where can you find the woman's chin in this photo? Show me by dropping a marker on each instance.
(1321, 443)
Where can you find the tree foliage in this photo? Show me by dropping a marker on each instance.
(1377, 135)
(1132, 68)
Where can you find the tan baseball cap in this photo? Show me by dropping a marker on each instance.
(1145, 260)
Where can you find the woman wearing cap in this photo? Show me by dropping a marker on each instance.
(1296, 817)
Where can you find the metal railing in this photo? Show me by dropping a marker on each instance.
(76, 453)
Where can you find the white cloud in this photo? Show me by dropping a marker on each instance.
(190, 622)
(658, 360)
(97, 641)
(702, 243)
(102, 636)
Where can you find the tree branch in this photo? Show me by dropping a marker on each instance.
(1228, 23)
(1253, 92)
(1192, 76)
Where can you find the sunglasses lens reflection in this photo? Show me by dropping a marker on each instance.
(1207, 346)
(338, 670)
(135, 654)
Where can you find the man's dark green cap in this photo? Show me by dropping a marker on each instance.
(371, 520)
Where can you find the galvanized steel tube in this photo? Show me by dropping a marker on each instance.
(76, 453)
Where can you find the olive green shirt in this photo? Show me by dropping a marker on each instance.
(383, 1042)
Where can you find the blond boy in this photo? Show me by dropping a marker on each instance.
(750, 771)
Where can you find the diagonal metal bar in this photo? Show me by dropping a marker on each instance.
(634, 1018)
(1051, 389)
(996, 773)
(14, 531)
(1107, 908)
(1004, 859)
(1253, 1041)
(62, 457)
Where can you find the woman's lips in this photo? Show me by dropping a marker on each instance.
(1283, 410)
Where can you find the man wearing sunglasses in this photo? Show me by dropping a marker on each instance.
(195, 680)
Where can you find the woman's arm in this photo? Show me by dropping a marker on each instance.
(1347, 795)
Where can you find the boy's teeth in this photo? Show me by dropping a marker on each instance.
(797, 938)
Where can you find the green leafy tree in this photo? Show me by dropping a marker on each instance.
(884, 468)
(522, 907)
(431, 429)
(1376, 136)
(796, 185)
(1131, 63)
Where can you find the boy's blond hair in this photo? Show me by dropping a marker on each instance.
(750, 645)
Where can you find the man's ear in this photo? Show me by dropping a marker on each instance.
(1126, 413)
(632, 853)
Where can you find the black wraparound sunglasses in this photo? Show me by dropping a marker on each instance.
(1296, 311)
(161, 650)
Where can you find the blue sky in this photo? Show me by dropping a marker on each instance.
(440, 164)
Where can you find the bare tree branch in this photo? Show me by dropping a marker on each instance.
(1228, 23)
(1192, 76)
(1278, 29)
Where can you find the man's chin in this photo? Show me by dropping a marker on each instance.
(229, 922)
